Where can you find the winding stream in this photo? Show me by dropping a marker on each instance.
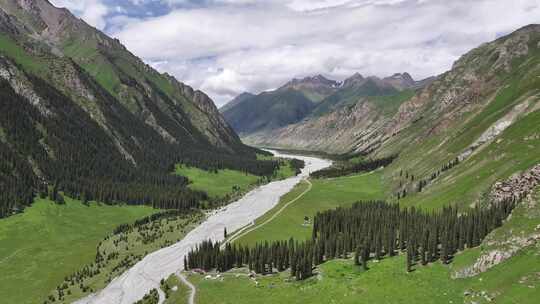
(137, 281)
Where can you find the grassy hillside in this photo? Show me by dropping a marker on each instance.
(109, 127)
(352, 94)
(49, 241)
(484, 92)
(516, 149)
(122, 249)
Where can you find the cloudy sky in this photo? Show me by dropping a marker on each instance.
(226, 47)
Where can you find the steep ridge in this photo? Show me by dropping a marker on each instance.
(315, 88)
(83, 115)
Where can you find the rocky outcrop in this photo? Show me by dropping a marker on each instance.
(502, 246)
(403, 81)
(317, 81)
(517, 186)
(355, 80)
(464, 91)
(496, 256)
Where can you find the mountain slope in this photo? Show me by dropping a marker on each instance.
(353, 89)
(238, 99)
(483, 112)
(268, 110)
(83, 115)
(248, 113)
(483, 86)
(122, 74)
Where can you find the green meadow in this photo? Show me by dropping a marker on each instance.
(325, 194)
(216, 184)
(340, 281)
(226, 182)
(53, 241)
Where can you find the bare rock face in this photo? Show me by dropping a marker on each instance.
(513, 47)
(7, 23)
(517, 186)
(497, 128)
(497, 256)
(22, 86)
(483, 263)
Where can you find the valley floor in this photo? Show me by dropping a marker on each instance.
(48, 243)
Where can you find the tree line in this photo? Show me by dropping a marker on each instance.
(362, 166)
(422, 183)
(367, 230)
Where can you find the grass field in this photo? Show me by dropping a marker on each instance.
(340, 281)
(17, 53)
(219, 184)
(48, 241)
(181, 295)
(325, 194)
(125, 249)
(216, 184)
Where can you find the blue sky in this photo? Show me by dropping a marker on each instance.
(226, 47)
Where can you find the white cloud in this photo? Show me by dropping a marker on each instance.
(91, 11)
(225, 47)
(307, 5)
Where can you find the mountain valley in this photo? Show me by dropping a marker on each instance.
(121, 184)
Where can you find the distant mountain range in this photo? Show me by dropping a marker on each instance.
(301, 99)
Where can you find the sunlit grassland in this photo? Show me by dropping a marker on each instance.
(39, 247)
